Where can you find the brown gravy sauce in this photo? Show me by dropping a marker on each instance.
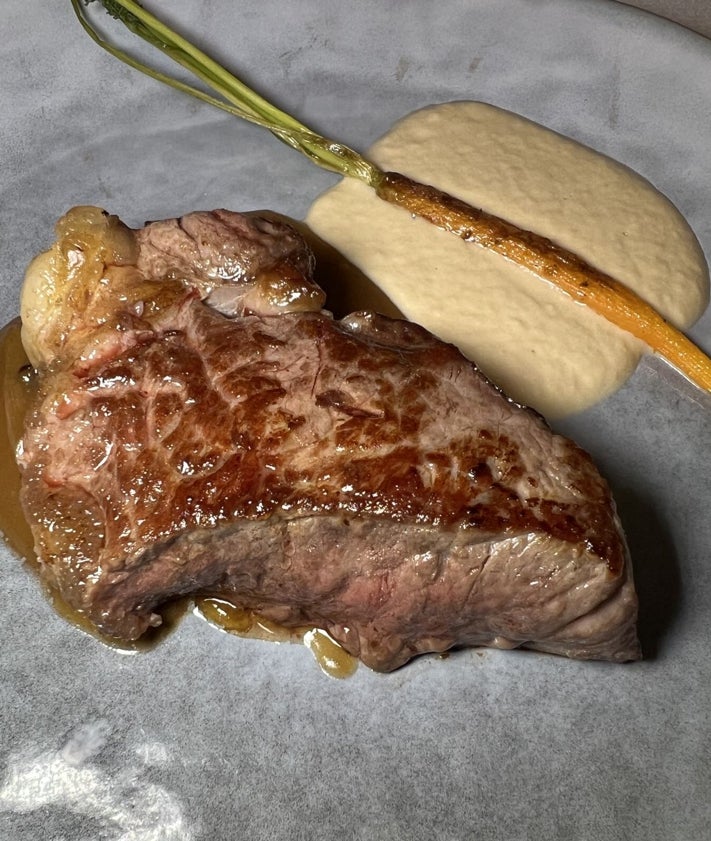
(331, 658)
(16, 382)
(18, 385)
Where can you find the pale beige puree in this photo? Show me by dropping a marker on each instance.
(529, 337)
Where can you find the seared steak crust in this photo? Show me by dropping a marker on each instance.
(359, 475)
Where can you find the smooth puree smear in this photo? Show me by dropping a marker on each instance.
(527, 336)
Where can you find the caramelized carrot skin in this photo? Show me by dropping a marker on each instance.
(581, 281)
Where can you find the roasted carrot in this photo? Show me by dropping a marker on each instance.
(578, 279)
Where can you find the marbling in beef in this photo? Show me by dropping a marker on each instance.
(357, 475)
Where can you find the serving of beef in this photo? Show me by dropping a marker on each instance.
(357, 475)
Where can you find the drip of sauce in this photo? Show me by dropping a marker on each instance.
(330, 656)
(332, 659)
(18, 388)
(543, 349)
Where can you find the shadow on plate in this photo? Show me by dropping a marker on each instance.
(347, 288)
(656, 569)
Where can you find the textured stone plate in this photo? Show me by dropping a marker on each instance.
(211, 737)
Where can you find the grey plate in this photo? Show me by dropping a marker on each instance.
(211, 737)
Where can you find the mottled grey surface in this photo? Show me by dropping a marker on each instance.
(695, 14)
(209, 737)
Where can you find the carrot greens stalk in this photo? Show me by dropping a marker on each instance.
(232, 95)
(603, 294)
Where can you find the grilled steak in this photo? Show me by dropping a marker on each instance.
(357, 475)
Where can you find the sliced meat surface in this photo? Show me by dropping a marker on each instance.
(239, 262)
